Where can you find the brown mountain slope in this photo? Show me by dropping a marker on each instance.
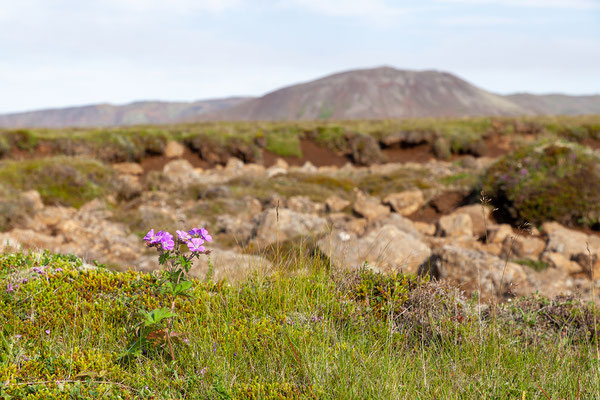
(143, 112)
(373, 93)
(554, 104)
(361, 94)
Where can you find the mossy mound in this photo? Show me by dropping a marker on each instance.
(68, 181)
(557, 181)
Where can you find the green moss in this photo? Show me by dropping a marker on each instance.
(397, 181)
(463, 179)
(533, 264)
(316, 187)
(284, 143)
(70, 181)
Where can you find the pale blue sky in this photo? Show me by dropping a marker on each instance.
(56, 53)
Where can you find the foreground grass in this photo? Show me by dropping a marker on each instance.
(309, 333)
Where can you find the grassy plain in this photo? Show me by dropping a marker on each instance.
(301, 332)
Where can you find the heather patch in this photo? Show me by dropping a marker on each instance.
(548, 181)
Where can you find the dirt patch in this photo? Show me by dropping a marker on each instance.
(498, 145)
(592, 143)
(443, 204)
(420, 153)
(318, 155)
(157, 163)
(40, 151)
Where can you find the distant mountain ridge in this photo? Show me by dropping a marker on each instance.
(375, 93)
(140, 112)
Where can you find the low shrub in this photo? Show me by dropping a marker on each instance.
(548, 181)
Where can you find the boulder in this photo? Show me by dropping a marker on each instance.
(9, 243)
(386, 248)
(572, 244)
(303, 204)
(35, 240)
(397, 220)
(128, 168)
(254, 170)
(239, 228)
(335, 204)
(558, 260)
(405, 203)
(128, 186)
(368, 206)
(174, 149)
(497, 233)
(308, 168)
(454, 225)
(424, 228)
(523, 247)
(32, 201)
(234, 165)
(480, 217)
(50, 216)
(274, 171)
(364, 149)
(229, 265)
(281, 163)
(181, 172)
(289, 224)
(477, 271)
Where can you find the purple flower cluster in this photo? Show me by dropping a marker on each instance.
(194, 239)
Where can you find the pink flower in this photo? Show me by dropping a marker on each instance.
(201, 232)
(183, 236)
(195, 244)
(166, 240)
(153, 238)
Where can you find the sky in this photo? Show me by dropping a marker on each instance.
(56, 53)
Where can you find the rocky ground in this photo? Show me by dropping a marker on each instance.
(411, 217)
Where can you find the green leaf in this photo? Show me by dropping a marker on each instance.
(182, 287)
(156, 316)
(163, 258)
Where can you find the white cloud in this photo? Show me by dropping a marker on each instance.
(371, 9)
(577, 4)
(179, 6)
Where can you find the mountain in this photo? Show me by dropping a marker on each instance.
(373, 93)
(142, 112)
(555, 104)
(376, 93)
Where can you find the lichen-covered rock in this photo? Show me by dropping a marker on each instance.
(523, 247)
(480, 217)
(335, 204)
(174, 149)
(128, 168)
(497, 233)
(32, 201)
(387, 248)
(454, 225)
(477, 271)
(368, 206)
(284, 224)
(304, 205)
(405, 203)
(181, 173)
